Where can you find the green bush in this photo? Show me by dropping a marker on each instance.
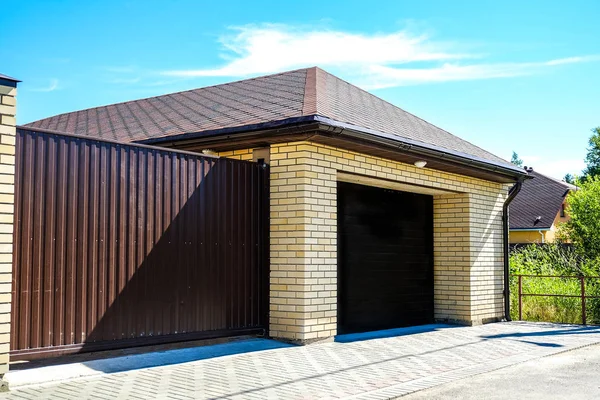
(583, 207)
(553, 259)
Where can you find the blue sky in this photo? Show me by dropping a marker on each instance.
(505, 75)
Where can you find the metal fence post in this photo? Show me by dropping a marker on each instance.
(583, 314)
(520, 298)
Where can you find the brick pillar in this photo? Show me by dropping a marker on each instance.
(451, 258)
(303, 244)
(8, 92)
(468, 256)
(487, 255)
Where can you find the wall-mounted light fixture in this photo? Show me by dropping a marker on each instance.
(420, 163)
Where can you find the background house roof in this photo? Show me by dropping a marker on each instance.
(278, 97)
(542, 197)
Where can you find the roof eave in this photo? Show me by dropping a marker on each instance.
(228, 133)
(6, 80)
(266, 132)
(427, 150)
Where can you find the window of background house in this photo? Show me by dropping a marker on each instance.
(562, 210)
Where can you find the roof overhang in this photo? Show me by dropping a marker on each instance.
(8, 81)
(326, 131)
(333, 133)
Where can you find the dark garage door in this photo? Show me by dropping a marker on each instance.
(385, 258)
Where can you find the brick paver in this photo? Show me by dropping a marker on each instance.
(369, 369)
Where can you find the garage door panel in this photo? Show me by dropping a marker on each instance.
(385, 258)
(367, 246)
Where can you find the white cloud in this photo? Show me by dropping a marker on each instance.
(273, 48)
(50, 88)
(573, 60)
(371, 60)
(382, 76)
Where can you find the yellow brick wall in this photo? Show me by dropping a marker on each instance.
(486, 262)
(467, 237)
(303, 243)
(7, 180)
(245, 154)
(451, 257)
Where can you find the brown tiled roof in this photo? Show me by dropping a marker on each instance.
(266, 99)
(542, 197)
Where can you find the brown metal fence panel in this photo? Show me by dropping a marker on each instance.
(117, 245)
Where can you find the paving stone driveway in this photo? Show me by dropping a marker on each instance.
(379, 368)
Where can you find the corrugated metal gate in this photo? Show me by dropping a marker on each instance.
(119, 245)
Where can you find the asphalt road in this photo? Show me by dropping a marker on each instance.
(571, 375)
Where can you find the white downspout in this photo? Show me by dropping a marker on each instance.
(542, 235)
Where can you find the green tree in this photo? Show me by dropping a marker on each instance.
(569, 179)
(516, 160)
(583, 228)
(592, 159)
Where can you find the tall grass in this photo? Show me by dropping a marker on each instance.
(553, 259)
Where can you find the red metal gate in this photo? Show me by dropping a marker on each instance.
(119, 245)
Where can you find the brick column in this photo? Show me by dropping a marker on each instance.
(303, 244)
(8, 92)
(451, 258)
(487, 255)
(468, 255)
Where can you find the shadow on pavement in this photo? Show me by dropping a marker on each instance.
(357, 337)
(541, 344)
(573, 330)
(170, 357)
(38, 374)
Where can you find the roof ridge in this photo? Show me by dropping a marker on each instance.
(323, 107)
(309, 105)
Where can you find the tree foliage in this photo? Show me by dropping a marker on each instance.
(569, 179)
(592, 159)
(516, 160)
(583, 228)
